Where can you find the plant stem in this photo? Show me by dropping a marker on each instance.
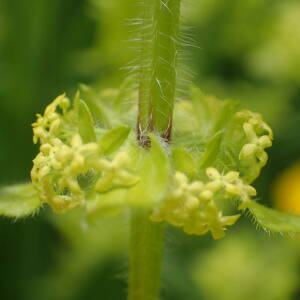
(157, 86)
(146, 255)
(157, 81)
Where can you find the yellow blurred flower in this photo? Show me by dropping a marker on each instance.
(287, 190)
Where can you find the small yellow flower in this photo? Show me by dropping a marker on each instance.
(226, 182)
(231, 184)
(114, 174)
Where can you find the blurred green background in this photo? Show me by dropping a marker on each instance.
(247, 50)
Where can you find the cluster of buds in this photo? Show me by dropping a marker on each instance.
(259, 137)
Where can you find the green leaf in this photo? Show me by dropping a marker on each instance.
(154, 170)
(212, 149)
(226, 112)
(183, 161)
(212, 114)
(113, 139)
(86, 123)
(18, 201)
(274, 220)
(97, 108)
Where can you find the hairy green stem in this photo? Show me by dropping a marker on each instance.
(157, 87)
(157, 80)
(146, 255)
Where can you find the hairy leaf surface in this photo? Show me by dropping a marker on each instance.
(18, 200)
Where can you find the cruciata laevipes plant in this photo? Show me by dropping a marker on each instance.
(189, 163)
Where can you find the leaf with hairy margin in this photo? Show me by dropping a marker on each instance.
(273, 220)
(18, 200)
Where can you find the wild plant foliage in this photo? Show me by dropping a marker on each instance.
(189, 163)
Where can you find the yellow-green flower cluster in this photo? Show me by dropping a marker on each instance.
(57, 168)
(47, 126)
(192, 206)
